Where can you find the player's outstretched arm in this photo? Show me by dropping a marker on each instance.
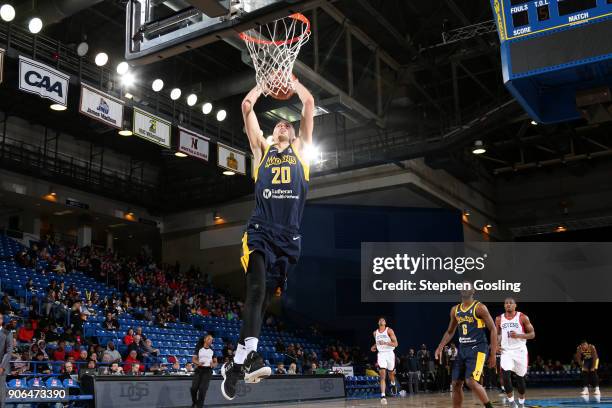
(251, 125)
(448, 334)
(483, 313)
(307, 120)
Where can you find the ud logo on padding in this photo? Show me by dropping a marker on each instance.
(33, 78)
(267, 193)
(134, 391)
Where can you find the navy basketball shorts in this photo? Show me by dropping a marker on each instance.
(279, 246)
(470, 361)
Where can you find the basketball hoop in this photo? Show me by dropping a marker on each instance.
(274, 47)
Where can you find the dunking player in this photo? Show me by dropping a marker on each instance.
(385, 343)
(472, 317)
(514, 329)
(271, 241)
(587, 357)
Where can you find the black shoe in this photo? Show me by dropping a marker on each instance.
(254, 368)
(231, 374)
(393, 389)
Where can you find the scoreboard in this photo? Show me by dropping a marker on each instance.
(520, 18)
(556, 55)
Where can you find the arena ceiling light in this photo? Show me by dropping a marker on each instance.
(207, 108)
(534, 123)
(82, 49)
(479, 147)
(35, 25)
(313, 155)
(175, 94)
(123, 68)
(192, 99)
(180, 154)
(221, 115)
(57, 107)
(101, 59)
(229, 173)
(126, 129)
(7, 13)
(157, 85)
(128, 79)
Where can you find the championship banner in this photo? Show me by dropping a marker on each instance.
(193, 144)
(101, 106)
(42, 80)
(151, 127)
(1, 63)
(231, 159)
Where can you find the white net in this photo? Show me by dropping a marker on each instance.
(274, 47)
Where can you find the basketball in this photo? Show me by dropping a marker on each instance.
(285, 94)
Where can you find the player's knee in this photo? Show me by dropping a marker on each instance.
(508, 381)
(457, 385)
(520, 385)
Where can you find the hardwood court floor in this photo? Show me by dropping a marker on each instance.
(561, 398)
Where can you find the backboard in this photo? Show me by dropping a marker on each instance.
(157, 29)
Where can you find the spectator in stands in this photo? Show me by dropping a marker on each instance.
(82, 360)
(280, 369)
(5, 306)
(25, 334)
(91, 369)
(115, 369)
(132, 358)
(175, 368)
(140, 333)
(189, 368)
(292, 369)
(136, 369)
(21, 364)
(52, 335)
(67, 371)
(110, 323)
(538, 364)
(369, 371)
(110, 354)
(149, 353)
(40, 364)
(42, 348)
(136, 346)
(129, 337)
(59, 354)
(311, 370)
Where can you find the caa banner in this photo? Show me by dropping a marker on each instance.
(42, 80)
(101, 106)
(231, 159)
(151, 127)
(1, 64)
(193, 144)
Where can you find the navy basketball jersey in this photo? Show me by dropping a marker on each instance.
(471, 328)
(281, 185)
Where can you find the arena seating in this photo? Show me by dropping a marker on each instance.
(358, 387)
(177, 339)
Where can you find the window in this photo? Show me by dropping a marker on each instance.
(575, 6)
(520, 19)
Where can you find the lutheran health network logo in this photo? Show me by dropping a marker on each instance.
(279, 193)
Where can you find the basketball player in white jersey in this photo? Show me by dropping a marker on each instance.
(385, 343)
(514, 329)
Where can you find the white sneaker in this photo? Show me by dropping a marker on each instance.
(383, 401)
(597, 392)
(585, 391)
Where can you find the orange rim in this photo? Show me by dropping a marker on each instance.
(295, 16)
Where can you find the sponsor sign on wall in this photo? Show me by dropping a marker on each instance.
(231, 159)
(43, 80)
(193, 144)
(151, 127)
(101, 106)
